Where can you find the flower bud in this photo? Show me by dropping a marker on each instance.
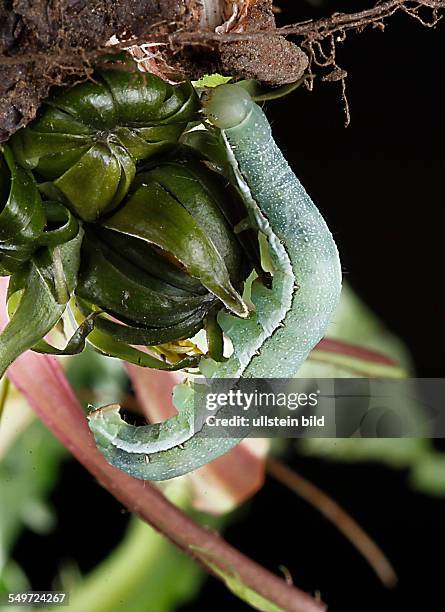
(105, 217)
(162, 261)
(88, 139)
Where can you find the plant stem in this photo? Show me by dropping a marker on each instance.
(4, 390)
(136, 569)
(361, 361)
(41, 380)
(341, 519)
(340, 347)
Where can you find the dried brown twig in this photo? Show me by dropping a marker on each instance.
(319, 38)
(319, 30)
(311, 31)
(333, 512)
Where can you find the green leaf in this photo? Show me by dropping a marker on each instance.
(38, 296)
(215, 338)
(214, 205)
(206, 145)
(91, 184)
(111, 347)
(262, 93)
(75, 344)
(236, 585)
(143, 336)
(37, 304)
(211, 80)
(148, 260)
(108, 280)
(27, 474)
(22, 219)
(145, 100)
(56, 213)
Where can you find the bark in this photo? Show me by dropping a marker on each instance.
(50, 42)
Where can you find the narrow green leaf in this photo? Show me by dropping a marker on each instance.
(109, 346)
(208, 199)
(33, 298)
(147, 258)
(215, 339)
(89, 103)
(22, 219)
(56, 213)
(75, 345)
(262, 93)
(36, 304)
(211, 80)
(147, 336)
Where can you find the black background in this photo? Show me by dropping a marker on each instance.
(379, 183)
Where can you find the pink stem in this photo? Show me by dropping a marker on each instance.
(41, 380)
(330, 345)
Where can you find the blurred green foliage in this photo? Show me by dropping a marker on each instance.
(145, 572)
(28, 473)
(355, 323)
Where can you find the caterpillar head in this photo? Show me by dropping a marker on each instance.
(227, 106)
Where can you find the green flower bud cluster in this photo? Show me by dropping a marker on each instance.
(108, 218)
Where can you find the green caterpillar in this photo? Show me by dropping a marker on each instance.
(289, 318)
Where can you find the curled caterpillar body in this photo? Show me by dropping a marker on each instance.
(289, 319)
(266, 177)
